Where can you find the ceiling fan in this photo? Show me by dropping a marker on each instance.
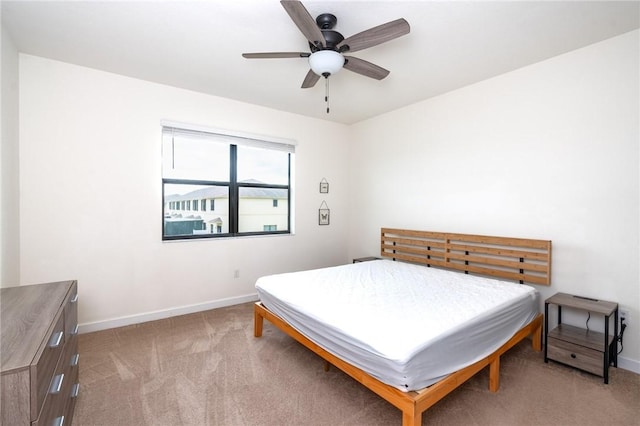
(329, 46)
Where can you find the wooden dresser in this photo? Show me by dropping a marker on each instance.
(39, 356)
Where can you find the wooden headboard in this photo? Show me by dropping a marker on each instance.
(518, 259)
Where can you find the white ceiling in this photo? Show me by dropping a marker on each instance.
(197, 45)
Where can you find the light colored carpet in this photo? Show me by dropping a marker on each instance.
(208, 369)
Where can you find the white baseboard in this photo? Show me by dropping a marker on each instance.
(629, 364)
(167, 313)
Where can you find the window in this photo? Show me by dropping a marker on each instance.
(246, 183)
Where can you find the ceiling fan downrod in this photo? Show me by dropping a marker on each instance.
(326, 90)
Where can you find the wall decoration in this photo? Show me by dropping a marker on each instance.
(323, 214)
(324, 186)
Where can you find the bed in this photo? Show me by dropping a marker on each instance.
(432, 297)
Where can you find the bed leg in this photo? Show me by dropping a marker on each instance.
(258, 322)
(494, 374)
(327, 366)
(536, 338)
(412, 418)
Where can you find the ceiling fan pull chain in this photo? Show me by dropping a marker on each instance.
(326, 92)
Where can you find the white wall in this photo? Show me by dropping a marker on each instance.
(9, 168)
(549, 151)
(90, 164)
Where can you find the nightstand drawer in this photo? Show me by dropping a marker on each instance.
(575, 355)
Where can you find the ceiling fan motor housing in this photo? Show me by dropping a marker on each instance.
(331, 41)
(332, 38)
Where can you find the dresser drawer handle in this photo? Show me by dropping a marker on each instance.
(56, 385)
(573, 356)
(75, 330)
(55, 340)
(74, 360)
(75, 298)
(58, 421)
(75, 391)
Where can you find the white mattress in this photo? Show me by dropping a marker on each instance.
(407, 325)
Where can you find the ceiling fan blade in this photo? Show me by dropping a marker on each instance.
(365, 68)
(310, 80)
(267, 55)
(303, 20)
(374, 36)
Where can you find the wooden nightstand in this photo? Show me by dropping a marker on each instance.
(578, 347)
(365, 259)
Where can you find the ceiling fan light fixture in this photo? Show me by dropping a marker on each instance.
(326, 62)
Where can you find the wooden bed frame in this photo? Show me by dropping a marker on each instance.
(523, 260)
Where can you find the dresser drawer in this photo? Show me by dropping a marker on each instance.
(73, 367)
(71, 313)
(44, 370)
(61, 391)
(576, 356)
(71, 359)
(55, 398)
